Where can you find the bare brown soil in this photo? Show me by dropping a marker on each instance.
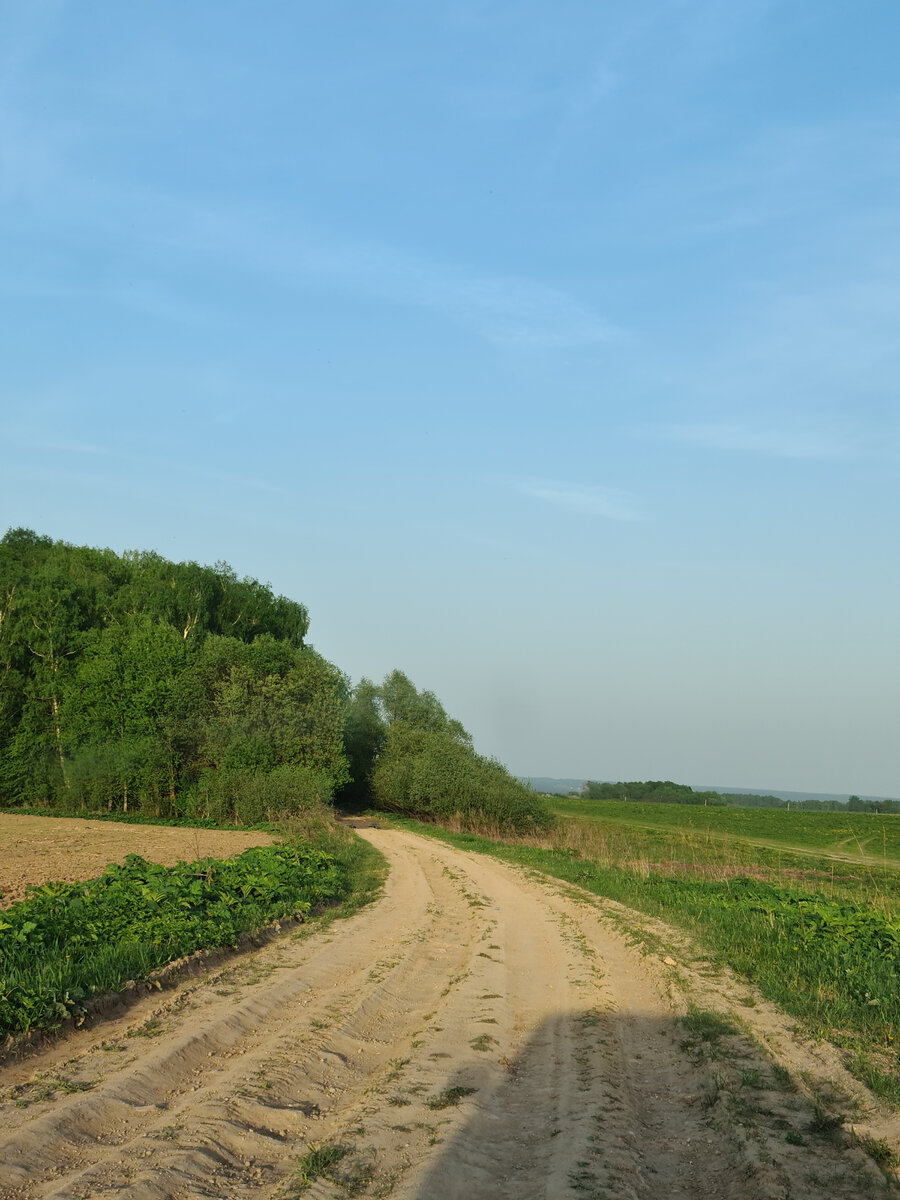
(37, 850)
(479, 1032)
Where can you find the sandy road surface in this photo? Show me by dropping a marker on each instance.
(573, 1076)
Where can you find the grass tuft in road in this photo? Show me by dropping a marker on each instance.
(450, 1098)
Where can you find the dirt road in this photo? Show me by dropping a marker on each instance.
(478, 1032)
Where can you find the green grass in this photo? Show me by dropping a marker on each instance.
(707, 1026)
(831, 961)
(866, 836)
(680, 844)
(319, 1161)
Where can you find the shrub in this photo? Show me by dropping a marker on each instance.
(434, 775)
(248, 797)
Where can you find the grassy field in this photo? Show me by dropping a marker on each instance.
(818, 936)
(862, 836)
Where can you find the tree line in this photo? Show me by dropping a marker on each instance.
(664, 791)
(656, 791)
(131, 683)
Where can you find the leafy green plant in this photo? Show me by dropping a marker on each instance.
(66, 941)
(824, 1123)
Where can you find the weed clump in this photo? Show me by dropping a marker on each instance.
(879, 1151)
(824, 1123)
(318, 1161)
(707, 1026)
(450, 1098)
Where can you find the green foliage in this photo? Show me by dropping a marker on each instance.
(435, 776)
(250, 797)
(407, 755)
(664, 791)
(318, 1162)
(879, 1150)
(133, 683)
(364, 735)
(660, 791)
(69, 940)
(707, 1026)
(449, 1098)
(403, 705)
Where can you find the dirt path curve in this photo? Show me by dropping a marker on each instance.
(478, 1032)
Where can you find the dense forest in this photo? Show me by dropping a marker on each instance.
(128, 682)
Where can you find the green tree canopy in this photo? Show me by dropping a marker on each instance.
(131, 681)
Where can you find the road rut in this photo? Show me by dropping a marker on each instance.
(479, 1031)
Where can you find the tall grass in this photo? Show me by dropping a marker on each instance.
(862, 835)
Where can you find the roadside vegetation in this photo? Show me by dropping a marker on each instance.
(131, 684)
(423, 763)
(818, 938)
(142, 690)
(68, 941)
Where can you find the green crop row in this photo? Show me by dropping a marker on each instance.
(67, 941)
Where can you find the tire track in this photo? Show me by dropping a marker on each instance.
(476, 1032)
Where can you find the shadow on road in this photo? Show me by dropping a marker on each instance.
(605, 1105)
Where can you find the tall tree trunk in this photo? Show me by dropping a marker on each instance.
(54, 705)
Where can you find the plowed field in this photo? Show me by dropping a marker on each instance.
(39, 849)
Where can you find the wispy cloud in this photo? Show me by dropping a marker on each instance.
(505, 309)
(588, 499)
(140, 295)
(787, 173)
(811, 441)
(119, 461)
(695, 37)
(53, 445)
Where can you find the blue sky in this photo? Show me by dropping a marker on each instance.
(547, 352)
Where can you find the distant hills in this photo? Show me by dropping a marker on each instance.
(562, 787)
